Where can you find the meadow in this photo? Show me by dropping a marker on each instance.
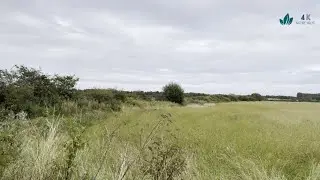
(160, 140)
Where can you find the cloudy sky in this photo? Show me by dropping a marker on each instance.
(212, 46)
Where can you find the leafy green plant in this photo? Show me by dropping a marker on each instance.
(174, 93)
(32, 91)
(9, 145)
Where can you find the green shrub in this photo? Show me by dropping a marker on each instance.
(3, 114)
(257, 97)
(233, 97)
(99, 95)
(9, 144)
(31, 91)
(173, 92)
(109, 99)
(120, 96)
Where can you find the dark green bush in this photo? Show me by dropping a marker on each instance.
(120, 96)
(29, 90)
(9, 144)
(257, 97)
(99, 95)
(111, 99)
(173, 92)
(233, 98)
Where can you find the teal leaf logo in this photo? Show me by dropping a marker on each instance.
(286, 20)
(281, 22)
(290, 21)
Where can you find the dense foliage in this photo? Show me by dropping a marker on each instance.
(30, 90)
(173, 92)
(34, 93)
(308, 97)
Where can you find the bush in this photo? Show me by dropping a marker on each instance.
(120, 96)
(257, 97)
(173, 92)
(32, 91)
(110, 99)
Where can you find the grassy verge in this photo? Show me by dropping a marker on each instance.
(159, 141)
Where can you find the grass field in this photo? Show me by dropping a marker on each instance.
(256, 140)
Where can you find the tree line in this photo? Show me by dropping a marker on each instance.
(29, 90)
(308, 97)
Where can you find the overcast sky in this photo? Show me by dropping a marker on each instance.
(212, 46)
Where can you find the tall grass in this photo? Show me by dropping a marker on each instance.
(62, 149)
(39, 155)
(270, 140)
(250, 141)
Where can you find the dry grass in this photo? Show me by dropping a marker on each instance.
(251, 141)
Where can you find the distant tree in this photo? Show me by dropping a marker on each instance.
(173, 92)
(257, 97)
(233, 97)
(299, 95)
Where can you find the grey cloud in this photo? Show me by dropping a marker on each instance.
(208, 46)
